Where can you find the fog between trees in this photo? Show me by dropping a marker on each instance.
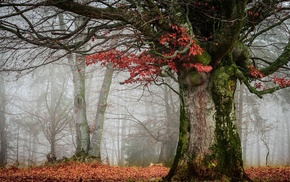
(135, 119)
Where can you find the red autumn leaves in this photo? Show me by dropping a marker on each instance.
(99, 172)
(83, 172)
(255, 73)
(265, 173)
(146, 67)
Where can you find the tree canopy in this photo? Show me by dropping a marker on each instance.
(214, 27)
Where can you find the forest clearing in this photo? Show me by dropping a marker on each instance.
(74, 171)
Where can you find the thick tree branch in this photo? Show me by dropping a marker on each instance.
(110, 13)
(283, 59)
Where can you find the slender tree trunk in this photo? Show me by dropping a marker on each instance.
(3, 137)
(78, 66)
(209, 146)
(80, 116)
(96, 141)
(53, 102)
(52, 145)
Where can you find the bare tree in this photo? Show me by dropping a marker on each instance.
(95, 148)
(3, 135)
(51, 111)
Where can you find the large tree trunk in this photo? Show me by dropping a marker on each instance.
(209, 144)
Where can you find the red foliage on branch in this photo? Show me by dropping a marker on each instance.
(200, 67)
(146, 67)
(281, 82)
(255, 72)
(141, 67)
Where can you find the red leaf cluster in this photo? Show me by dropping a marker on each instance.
(146, 67)
(83, 172)
(281, 82)
(258, 85)
(201, 68)
(255, 72)
(141, 67)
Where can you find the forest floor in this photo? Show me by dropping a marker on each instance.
(79, 172)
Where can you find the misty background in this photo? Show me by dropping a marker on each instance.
(135, 118)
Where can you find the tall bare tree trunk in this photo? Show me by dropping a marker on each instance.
(96, 141)
(3, 136)
(80, 115)
(77, 63)
(52, 107)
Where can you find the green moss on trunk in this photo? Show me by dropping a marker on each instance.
(182, 145)
(227, 150)
(208, 99)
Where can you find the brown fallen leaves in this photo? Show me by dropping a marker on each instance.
(265, 173)
(83, 172)
(79, 172)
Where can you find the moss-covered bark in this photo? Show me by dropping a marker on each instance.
(196, 128)
(209, 145)
(227, 151)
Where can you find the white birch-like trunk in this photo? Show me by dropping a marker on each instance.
(96, 141)
(77, 63)
(80, 116)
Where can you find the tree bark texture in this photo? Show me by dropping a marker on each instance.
(3, 137)
(96, 141)
(80, 116)
(209, 145)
